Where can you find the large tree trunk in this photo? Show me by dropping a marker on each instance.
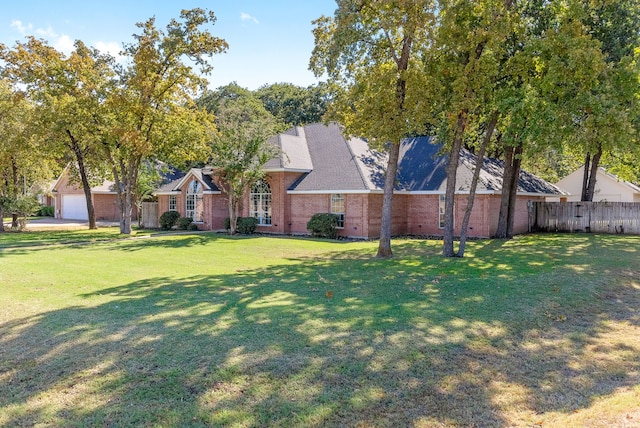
(509, 191)
(591, 165)
(82, 172)
(474, 182)
(452, 170)
(513, 190)
(384, 247)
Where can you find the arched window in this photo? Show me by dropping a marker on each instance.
(195, 208)
(260, 201)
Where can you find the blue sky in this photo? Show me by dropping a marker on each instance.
(269, 40)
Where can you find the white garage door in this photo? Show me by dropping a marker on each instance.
(74, 207)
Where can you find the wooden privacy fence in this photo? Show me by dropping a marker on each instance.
(150, 215)
(596, 217)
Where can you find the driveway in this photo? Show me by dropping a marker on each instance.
(50, 223)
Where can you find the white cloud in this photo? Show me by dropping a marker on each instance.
(21, 27)
(46, 32)
(111, 48)
(246, 17)
(64, 44)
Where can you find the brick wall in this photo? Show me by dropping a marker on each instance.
(106, 207)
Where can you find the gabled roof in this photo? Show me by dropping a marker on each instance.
(294, 152)
(106, 187)
(334, 164)
(180, 179)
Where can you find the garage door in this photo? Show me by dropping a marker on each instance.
(74, 207)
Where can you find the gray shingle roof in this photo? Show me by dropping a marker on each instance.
(351, 165)
(294, 151)
(173, 179)
(334, 164)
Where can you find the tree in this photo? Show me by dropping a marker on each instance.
(616, 25)
(468, 51)
(240, 148)
(23, 160)
(69, 94)
(295, 105)
(371, 50)
(151, 112)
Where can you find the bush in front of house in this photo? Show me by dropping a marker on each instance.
(168, 219)
(323, 225)
(244, 225)
(46, 211)
(185, 223)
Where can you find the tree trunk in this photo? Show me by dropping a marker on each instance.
(501, 231)
(384, 247)
(82, 171)
(585, 177)
(513, 191)
(452, 170)
(14, 189)
(590, 175)
(493, 122)
(233, 214)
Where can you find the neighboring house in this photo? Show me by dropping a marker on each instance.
(608, 188)
(321, 171)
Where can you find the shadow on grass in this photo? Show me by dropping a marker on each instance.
(336, 340)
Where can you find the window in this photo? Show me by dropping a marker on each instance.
(194, 202)
(337, 207)
(260, 201)
(173, 206)
(441, 203)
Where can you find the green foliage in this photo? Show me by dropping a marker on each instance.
(240, 148)
(245, 225)
(168, 219)
(46, 211)
(184, 223)
(295, 105)
(323, 225)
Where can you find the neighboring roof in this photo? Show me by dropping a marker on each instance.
(601, 173)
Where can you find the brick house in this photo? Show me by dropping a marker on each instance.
(319, 170)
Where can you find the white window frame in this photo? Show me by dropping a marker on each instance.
(441, 210)
(338, 207)
(194, 207)
(260, 202)
(173, 203)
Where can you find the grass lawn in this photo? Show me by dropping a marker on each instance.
(206, 330)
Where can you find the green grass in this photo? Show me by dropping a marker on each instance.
(207, 330)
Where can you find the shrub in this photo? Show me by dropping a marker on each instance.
(184, 223)
(244, 225)
(247, 225)
(323, 225)
(45, 211)
(168, 219)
